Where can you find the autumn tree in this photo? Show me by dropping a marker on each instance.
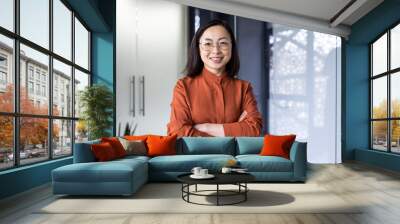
(34, 130)
(6, 122)
(380, 127)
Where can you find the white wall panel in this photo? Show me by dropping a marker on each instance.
(304, 90)
(151, 43)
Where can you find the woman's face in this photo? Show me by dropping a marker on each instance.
(215, 49)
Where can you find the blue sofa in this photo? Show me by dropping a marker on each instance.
(125, 176)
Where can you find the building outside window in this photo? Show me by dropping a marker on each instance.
(43, 77)
(30, 87)
(34, 81)
(3, 60)
(3, 78)
(37, 74)
(30, 72)
(3, 72)
(43, 90)
(38, 89)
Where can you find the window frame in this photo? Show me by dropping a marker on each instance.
(16, 114)
(388, 74)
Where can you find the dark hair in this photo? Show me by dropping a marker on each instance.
(194, 64)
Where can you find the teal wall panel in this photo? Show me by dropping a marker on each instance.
(357, 99)
(90, 12)
(377, 158)
(24, 178)
(103, 62)
(102, 58)
(356, 114)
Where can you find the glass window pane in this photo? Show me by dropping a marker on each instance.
(395, 136)
(379, 97)
(33, 140)
(81, 81)
(379, 55)
(81, 45)
(7, 14)
(395, 94)
(62, 138)
(395, 47)
(34, 81)
(81, 131)
(6, 74)
(62, 89)
(62, 29)
(6, 142)
(35, 21)
(379, 135)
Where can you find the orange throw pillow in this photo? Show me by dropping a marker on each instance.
(116, 145)
(275, 145)
(136, 137)
(161, 145)
(103, 152)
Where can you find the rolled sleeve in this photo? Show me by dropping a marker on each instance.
(252, 124)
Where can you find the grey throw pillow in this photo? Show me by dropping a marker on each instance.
(136, 147)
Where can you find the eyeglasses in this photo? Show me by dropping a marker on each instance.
(208, 45)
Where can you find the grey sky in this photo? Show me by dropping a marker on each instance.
(35, 27)
(6, 14)
(64, 68)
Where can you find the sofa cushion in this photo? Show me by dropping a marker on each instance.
(206, 145)
(257, 163)
(131, 158)
(249, 145)
(111, 171)
(185, 163)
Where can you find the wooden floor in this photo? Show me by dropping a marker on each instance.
(377, 188)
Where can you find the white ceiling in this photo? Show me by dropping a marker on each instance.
(319, 9)
(314, 15)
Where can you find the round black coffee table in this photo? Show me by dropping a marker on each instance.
(238, 179)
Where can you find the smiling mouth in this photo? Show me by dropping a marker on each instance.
(216, 59)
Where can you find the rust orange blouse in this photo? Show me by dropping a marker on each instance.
(208, 98)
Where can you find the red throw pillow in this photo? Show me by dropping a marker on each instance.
(116, 145)
(275, 145)
(103, 152)
(161, 145)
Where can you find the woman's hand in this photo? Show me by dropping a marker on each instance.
(211, 129)
(242, 116)
(216, 129)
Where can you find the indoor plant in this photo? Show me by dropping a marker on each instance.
(96, 102)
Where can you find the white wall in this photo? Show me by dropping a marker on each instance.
(151, 42)
(305, 90)
(125, 58)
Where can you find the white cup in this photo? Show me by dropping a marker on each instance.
(196, 171)
(203, 172)
(226, 170)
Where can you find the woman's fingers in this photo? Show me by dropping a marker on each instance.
(242, 116)
(201, 127)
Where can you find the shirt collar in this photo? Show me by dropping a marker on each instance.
(209, 76)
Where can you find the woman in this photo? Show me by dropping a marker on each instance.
(210, 101)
